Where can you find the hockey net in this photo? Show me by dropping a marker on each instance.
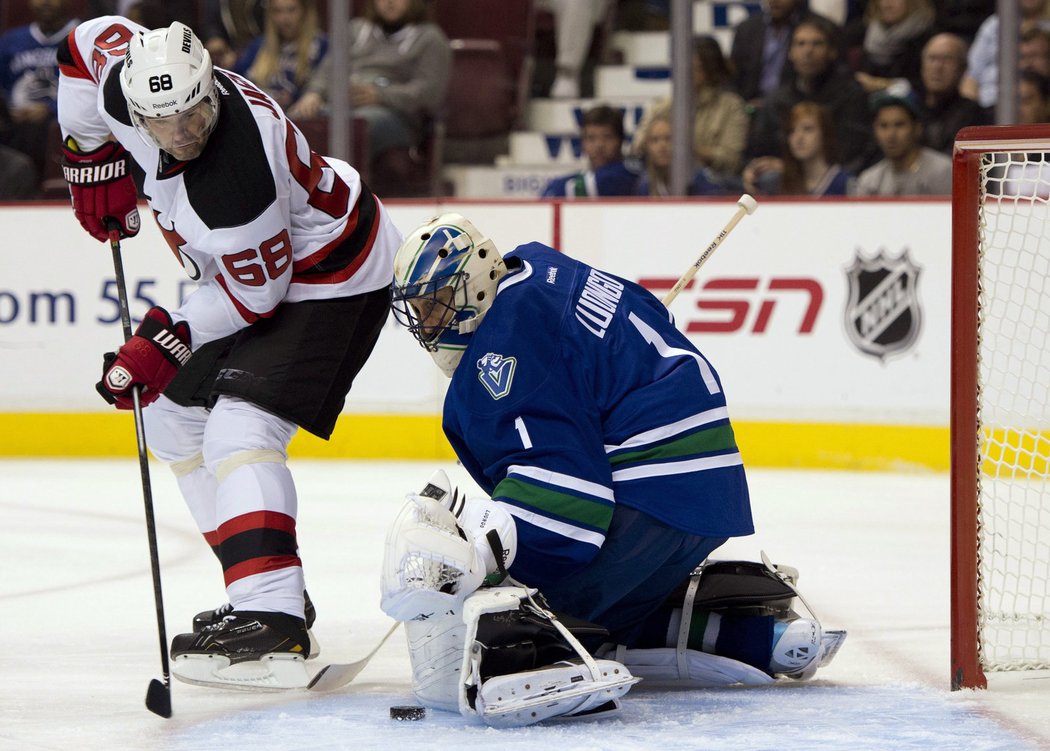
(1000, 413)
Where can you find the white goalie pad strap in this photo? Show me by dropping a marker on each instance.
(686, 622)
(702, 670)
(428, 566)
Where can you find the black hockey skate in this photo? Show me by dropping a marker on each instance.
(244, 650)
(206, 618)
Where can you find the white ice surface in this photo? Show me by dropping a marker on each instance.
(79, 640)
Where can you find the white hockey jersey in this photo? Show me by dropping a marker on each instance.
(257, 219)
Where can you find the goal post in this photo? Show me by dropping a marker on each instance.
(1000, 403)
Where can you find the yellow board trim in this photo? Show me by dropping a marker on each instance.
(762, 444)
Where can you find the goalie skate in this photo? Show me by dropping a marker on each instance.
(245, 651)
(565, 689)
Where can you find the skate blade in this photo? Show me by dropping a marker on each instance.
(272, 673)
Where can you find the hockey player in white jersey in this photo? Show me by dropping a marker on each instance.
(292, 253)
(602, 438)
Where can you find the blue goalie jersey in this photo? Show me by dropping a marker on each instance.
(577, 393)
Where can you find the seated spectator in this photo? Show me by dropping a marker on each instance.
(720, 119)
(574, 23)
(817, 76)
(228, 26)
(886, 46)
(153, 14)
(19, 179)
(607, 174)
(810, 165)
(759, 54)
(947, 111)
(1033, 53)
(963, 17)
(908, 168)
(981, 81)
(291, 47)
(655, 149)
(29, 76)
(400, 65)
(1033, 92)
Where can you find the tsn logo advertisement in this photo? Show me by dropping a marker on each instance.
(882, 315)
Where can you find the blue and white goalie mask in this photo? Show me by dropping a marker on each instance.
(445, 278)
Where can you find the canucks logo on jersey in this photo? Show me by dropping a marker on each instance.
(496, 374)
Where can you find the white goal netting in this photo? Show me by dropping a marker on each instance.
(1013, 386)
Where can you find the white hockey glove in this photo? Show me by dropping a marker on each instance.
(440, 549)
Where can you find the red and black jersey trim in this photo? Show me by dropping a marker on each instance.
(70, 62)
(257, 542)
(341, 258)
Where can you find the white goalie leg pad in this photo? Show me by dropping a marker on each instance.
(701, 670)
(567, 688)
(435, 650)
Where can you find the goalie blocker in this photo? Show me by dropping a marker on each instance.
(497, 652)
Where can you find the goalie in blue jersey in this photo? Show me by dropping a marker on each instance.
(602, 438)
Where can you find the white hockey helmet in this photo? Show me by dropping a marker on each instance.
(445, 278)
(169, 84)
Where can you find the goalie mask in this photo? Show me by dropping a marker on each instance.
(170, 89)
(445, 278)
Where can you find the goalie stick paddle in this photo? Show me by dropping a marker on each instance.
(158, 695)
(337, 675)
(746, 206)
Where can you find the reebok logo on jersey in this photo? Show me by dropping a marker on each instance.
(496, 374)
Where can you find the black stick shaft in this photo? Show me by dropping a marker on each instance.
(158, 703)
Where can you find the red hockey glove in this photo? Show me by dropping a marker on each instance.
(149, 359)
(102, 189)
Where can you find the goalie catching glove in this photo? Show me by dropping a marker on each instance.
(150, 359)
(102, 189)
(441, 548)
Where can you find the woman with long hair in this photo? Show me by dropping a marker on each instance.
(810, 164)
(281, 60)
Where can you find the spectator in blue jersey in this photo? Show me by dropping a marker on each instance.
(607, 173)
(282, 59)
(602, 440)
(29, 76)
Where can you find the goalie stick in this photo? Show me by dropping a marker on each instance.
(747, 206)
(337, 675)
(158, 695)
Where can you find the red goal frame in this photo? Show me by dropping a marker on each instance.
(970, 145)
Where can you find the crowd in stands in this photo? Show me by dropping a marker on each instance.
(812, 97)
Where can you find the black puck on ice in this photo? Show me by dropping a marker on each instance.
(407, 713)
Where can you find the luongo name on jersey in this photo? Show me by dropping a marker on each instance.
(258, 218)
(576, 393)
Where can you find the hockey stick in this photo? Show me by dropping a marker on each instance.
(337, 675)
(158, 695)
(747, 206)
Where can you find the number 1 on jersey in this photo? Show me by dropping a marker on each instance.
(523, 432)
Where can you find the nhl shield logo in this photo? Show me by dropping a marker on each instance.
(496, 374)
(883, 316)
